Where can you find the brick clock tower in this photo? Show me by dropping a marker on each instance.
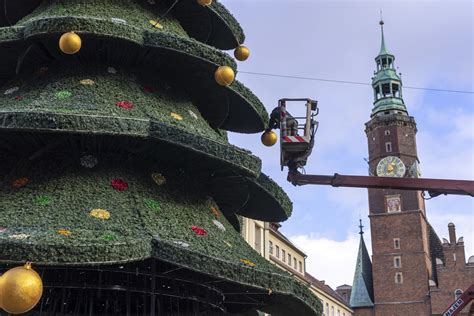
(402, 266)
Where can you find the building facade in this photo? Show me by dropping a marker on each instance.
(407, 275)
(266, 239)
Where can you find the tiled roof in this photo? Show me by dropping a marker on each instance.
(283, 237)
(436, 250)
(362, 294)
(325, 288)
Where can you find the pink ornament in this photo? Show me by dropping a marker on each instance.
(19, 98)
(199, 231)
(119, 184)
(125, 104)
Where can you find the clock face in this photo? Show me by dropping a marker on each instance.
(391, 166)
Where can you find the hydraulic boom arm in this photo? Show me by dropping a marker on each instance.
(434, 187)
(461, 302)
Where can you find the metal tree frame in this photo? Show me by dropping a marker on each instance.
(150, 287)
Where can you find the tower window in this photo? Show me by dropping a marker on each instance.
(277, 250)
(397, 262)
(377, 93)
(387, 132)
(396, 243)
(283, 255)
(294, 263)
(289, 260)
(398, 278)
(301, 267)
(386, 89)
(395, 90)
(270, 247)
(457, 293)
(388, 147)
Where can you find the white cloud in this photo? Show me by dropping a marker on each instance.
(330, 260)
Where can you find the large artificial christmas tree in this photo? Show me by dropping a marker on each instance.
(116, 177)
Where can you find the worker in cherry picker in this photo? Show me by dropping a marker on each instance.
(291, 122)
(295, 159)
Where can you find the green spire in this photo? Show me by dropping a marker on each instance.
(387, 84)
(362, 294)
(383, 49)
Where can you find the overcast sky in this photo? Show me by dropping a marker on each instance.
(433, 45)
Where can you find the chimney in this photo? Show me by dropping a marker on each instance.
(452, 234)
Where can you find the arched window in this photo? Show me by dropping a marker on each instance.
(398, 278)
(457, 293)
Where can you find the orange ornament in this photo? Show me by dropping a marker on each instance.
(204, 3)
(21, 182)
(215, 212)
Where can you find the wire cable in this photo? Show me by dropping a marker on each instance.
(347, 82)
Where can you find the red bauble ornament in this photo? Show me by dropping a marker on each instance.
(125, 104)
(119, 184)
(199, 231)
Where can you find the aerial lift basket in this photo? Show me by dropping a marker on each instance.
(296, 140)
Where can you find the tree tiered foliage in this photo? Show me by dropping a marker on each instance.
(116, 178)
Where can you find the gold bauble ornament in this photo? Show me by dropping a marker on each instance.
(224, 75)
(70, 43)
(20, 289)
(204, 3)
(242, 53)
(269, 138)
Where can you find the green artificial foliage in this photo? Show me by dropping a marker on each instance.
(229, 21)
(268, 200)
(43, 200)
(134, 229)
(152, 204)
(58, 100)
(119, 153)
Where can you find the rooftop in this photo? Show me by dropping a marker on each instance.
(325, 288)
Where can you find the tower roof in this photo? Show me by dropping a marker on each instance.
(362, 294)
(387, 84)
(383, 48)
